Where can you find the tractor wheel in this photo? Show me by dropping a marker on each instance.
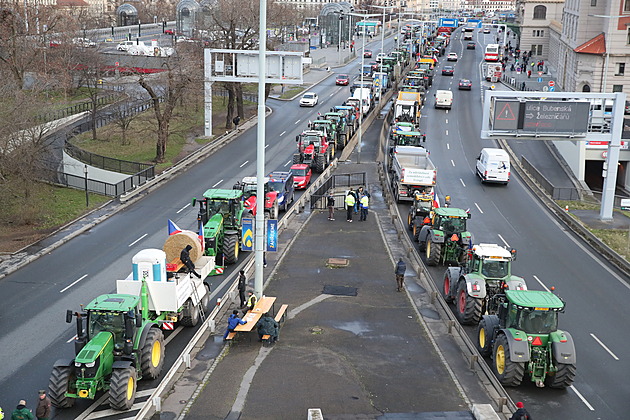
(508, 372)
(416, 233)
(410, 221)
(446, 288)
(485, 332)
(122, 388)
(433, 252)
(230, 248)
(562, 378)
(320, 163)
(190, 314)
(152, 354)
(62, 380)
(274, 211)
(296, 158)
(467, 308)
(205, 300)
(341, 141)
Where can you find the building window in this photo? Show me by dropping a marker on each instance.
(537, 50)
(538, 33)
(593, 3)
(621, 68)
(626, 6)
(617, 88)
(540, 12)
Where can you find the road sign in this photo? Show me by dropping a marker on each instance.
(551, 83)
(554, 117)
(540, 73)
(545, 88)
(552, 89)
(539, 79)
(505, 115)
(625, 204)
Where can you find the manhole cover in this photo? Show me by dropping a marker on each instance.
(338, 262)
(340, 290)
(317, 330)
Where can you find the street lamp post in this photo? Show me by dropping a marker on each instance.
(339, 41)
(87, 197)
(382, 45)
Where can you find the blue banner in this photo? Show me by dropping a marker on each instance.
(272, 235)
(448, 23)
(248, 235)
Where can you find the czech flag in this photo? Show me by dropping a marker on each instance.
(201, 238)
(172, 228)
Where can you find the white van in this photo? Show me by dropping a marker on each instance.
(493, 165)
(443, 99)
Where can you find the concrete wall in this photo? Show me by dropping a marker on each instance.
(574, 155)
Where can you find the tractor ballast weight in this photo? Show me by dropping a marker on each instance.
(523, 339)
(445, 240)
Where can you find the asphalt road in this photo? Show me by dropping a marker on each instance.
(548, 254)
(34, 334)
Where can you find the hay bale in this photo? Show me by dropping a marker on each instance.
(175, 243)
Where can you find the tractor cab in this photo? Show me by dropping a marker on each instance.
(491, 261)
(220, 210)
(533, 313)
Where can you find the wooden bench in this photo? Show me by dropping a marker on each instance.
(231, 336)
(279, 318)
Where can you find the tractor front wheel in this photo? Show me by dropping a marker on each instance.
(320, 163)
(341, 141)
(230, 248)
(122, 388)
(468, 308)
(446, 289)
(62, 380)
(416, 233)
(485, 332)
(152, 354)
(190, 314)
(508, 372)
(297, 158)
(563, 377)
(433, 252)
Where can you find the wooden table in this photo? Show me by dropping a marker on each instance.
(263, 306)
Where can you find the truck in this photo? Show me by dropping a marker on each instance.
(407, 107)
(364, 97)
(314, 150)
(486, 273)
(493, 72)
(523, 340)
(118, 336)
(445, 239)
(221, 218)
(411, 170)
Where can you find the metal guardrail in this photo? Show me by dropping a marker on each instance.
(104, 162)
(338, 180)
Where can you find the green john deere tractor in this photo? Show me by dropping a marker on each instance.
(117, 344)
(221, 215)
(445, 240)
(523, 339)
(329, 127)
(343, 131)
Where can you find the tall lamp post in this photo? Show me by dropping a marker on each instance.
(382, 44)
(87, 197)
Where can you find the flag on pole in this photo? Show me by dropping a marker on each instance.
(172, 228)
(201, 238)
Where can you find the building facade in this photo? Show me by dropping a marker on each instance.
(534, 19)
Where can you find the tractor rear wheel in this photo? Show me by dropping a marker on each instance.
(190, 314)
(485, 332)
(508, 372)
(230, 248)
(341, 141)
(433, 252)
(320, 163)
(410, 221)
(122, 388)
(563, 377)
(446, 289)
(467, 308)
(416, 233)
(297, 158)
(62, 380)
(152, 354)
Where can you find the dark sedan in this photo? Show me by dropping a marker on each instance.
(465, 84)
(471, 46)
(448, 71)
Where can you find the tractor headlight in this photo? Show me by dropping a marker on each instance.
(90, 365)
(77, 364)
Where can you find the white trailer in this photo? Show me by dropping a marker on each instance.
(412, 170)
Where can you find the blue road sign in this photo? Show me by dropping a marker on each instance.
(539, 79)
(552, 88)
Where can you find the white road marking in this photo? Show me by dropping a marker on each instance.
(172, 335)
(590, 407)
(452, 163)
(266, 145)
(448, 147)
(217, 183)
(297, 122)
(541, 283)
(283, 133)
(446, 121)
(182, 209)
(478, 208)
(447, 132)
(73, 283)
(332, 94)
(462, 181)
(504, 241)
(447, 111)
(137, 240)
(604, 346)
(287, 164)
(244, 163)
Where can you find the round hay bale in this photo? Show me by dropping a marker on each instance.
(175, 243)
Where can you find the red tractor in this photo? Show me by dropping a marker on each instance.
(248, 186)
(314, 150)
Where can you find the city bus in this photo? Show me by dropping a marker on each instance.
(492, 52)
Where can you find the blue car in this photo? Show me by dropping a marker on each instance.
(282, 183)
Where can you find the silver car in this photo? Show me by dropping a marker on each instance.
(308, 99)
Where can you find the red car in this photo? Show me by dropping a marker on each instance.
(301, 176)
(342, 79)
(367, 54)
(169, 32)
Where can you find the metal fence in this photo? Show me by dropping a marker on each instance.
(251, 97)
(556, 193)
(337, 181)
(105, 188)
(106, 163)
(75, 109)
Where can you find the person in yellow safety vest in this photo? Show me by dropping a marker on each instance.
(251, 302)
(350, 202)
(365, 201)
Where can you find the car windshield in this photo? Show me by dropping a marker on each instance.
(534, 321)
(309, 96)
(495, 269)
(298, 172)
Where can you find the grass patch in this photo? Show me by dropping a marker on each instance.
(291, 92)
(65, 204)
(578, 205)
(617, 239)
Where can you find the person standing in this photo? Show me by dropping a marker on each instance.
(233, 322)
(401, 267)
(350, 202)
(43, 410)
(357, 196)
(520, 413)
(330, 202)
(21, 412)
(251, 302)
(365, 201)
(236, 120)
(242, 285)
(184, 257)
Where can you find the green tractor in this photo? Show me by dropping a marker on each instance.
(487, 272)
(343, 130)
(523, 338)
(326, 126)
(445, 240)
(221, 215)
(420, 211)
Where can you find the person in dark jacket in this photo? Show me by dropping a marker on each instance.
(184, 256)
(42, 412)
(242, 285)
(268, 326)
(520, 413)
(21, 412)
(233, 322)
(236, 120)
(330, 203)
(401, 267)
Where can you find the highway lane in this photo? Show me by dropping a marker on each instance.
(34, 333)
(548, 255)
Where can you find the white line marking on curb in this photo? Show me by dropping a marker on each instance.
(541, 283)
(244, 163)
(590, 407)
(183, 208)
(217, 183)
(604, 346)
(73, 283)
(478, 208)
(504, 241)
(137, 240)
(297, 122)
(283, 133)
